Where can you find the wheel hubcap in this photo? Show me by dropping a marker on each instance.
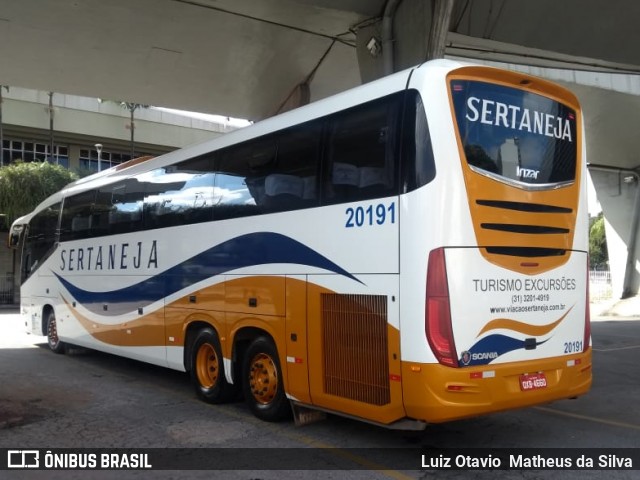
(207, 366)
(263, 378)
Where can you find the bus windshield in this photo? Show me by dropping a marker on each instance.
(515, 136)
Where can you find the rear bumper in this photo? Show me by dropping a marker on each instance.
(435, 393)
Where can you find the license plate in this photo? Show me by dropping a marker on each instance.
(532, 381)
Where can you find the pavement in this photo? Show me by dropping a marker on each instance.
(87, 399)
(616, 309)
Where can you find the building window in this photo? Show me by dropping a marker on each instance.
(13, 150)
(89, 159)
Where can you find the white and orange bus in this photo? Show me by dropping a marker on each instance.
(410, 251)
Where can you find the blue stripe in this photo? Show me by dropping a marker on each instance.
(494, 344)
(244, 251)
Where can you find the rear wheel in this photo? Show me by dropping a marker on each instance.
(207, 368)
(262, 382)
(54, 342)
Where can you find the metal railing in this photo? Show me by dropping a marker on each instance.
(6, 289)
(600, 285)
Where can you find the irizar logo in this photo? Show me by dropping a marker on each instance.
(527, 173)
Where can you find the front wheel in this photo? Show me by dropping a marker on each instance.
(54, 342)
(262, 383)
(207, 368)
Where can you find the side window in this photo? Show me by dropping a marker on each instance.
(292, 182)
(114, 208)
(362, 152)
(101, 211)
(178, 194)
(125, 215)
(240, 181)
(41, 238)
(418, 165)
(76, 216)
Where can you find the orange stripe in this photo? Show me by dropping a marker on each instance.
(521, 327)
(147, 331)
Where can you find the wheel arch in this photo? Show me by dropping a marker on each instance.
(241, 341)
(46, 309)
(189, 337)
(242, 338)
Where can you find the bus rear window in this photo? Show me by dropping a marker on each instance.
(515, 136)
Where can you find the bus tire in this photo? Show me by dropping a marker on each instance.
(207, 368)
(54, 342)
(262, 382)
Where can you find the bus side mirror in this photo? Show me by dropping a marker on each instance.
(15, 236)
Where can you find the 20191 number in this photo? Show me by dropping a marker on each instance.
(371, 215)
(572, 347)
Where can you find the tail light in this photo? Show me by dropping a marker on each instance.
(438, 311)
(587, 316)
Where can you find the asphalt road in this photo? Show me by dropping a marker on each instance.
(87, 399)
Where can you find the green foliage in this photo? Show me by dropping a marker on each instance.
(597, 242)
(24, 185)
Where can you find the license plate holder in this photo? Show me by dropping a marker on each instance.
(532, 381)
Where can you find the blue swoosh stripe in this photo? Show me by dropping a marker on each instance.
(498, 344)
(244, 251)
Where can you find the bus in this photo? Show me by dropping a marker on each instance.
(410, 251)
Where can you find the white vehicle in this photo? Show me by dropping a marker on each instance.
(410, 251)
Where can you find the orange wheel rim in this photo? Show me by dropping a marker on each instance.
(207, 365)
(263, 378)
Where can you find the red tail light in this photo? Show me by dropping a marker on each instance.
(438, 311)
(587, 316)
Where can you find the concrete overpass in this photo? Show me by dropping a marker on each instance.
(245, 58)
(253, 58)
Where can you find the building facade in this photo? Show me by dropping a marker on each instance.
(86, 135)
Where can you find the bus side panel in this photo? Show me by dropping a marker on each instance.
(140, 337)
(40, 294)
(297, 364)
(354, 346)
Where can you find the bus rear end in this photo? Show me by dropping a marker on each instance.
(506, 313)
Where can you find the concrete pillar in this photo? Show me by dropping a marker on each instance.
(409, 32)
(439, 28)
(618, 193)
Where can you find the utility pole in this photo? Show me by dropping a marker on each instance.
(132, 108)
(1, 124)
(51, 152)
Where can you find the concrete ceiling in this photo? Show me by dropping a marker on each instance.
(240, 58)
(244, 58)
(611, 124)
(594, 32)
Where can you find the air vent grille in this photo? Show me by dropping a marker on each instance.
(356, 363)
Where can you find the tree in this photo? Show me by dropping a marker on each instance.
(597, 242)
(24, 185)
